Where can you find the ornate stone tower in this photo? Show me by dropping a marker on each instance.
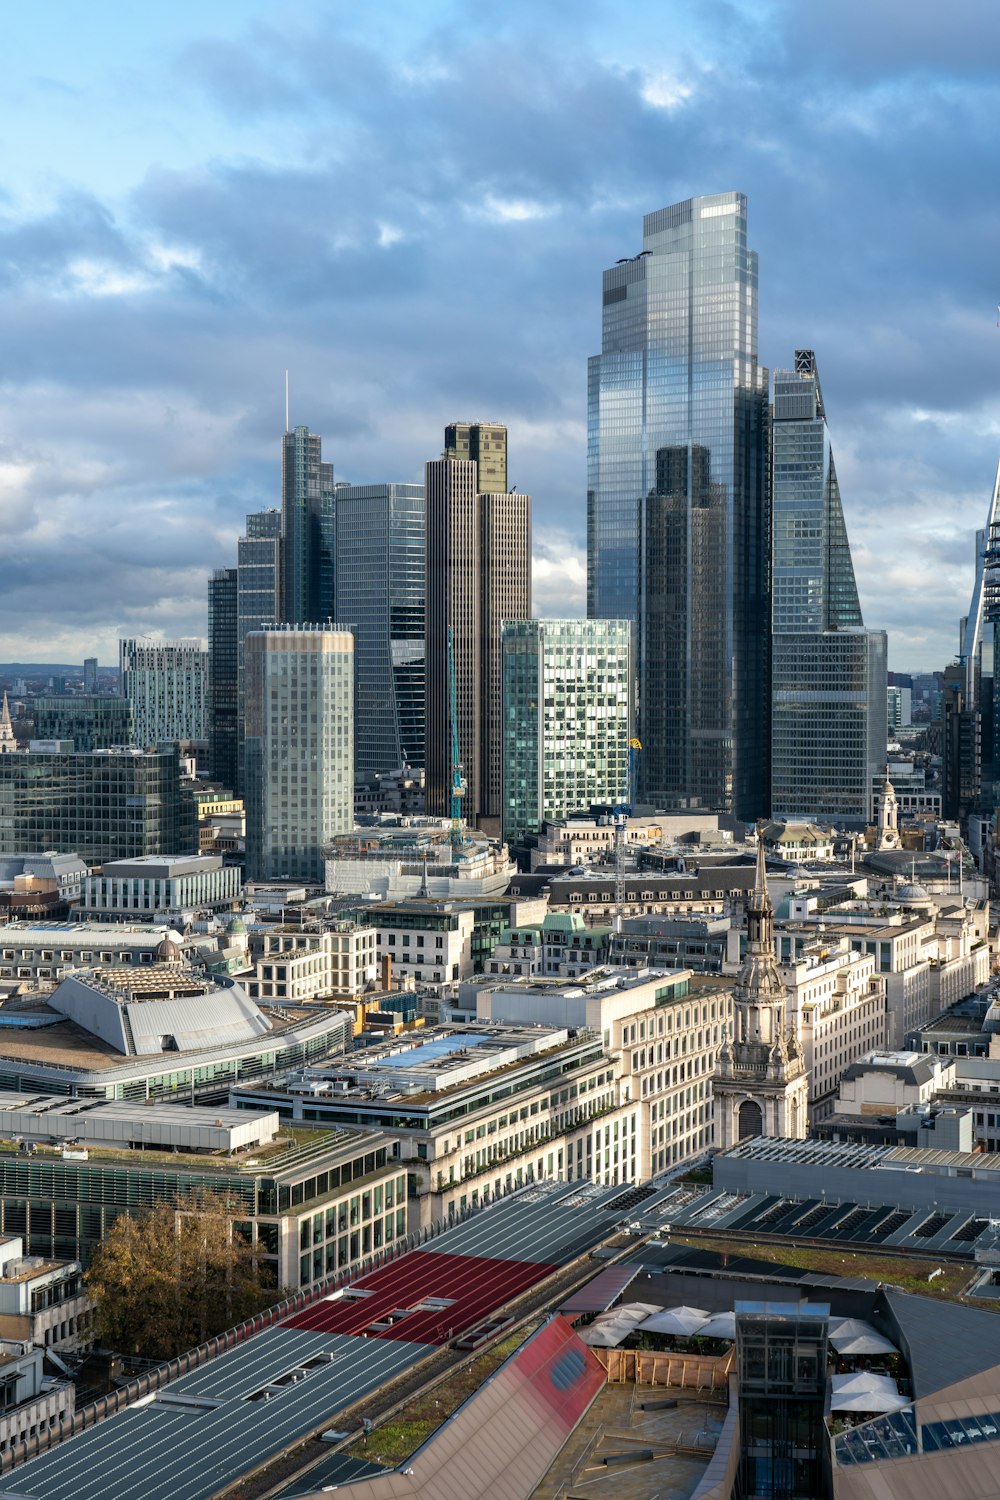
(7, 741)
(888, 831)
(760, 1087)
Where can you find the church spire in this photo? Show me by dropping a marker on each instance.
(7, 741)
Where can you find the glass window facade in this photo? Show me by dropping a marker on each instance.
(566, 719)
(828, 729)
(223, 698)
(380, 571)
(677, 505)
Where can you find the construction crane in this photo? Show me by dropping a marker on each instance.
(457, 779)
(620, 815)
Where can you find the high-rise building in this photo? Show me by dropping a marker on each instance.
(106, 804)
(90, 674)
(485, 443)
(166, 682)
(93, 721)
(566, 719)
(829, 685)
(258, 600)
(380, 576)
(299, 749)
(223, 697)
(478, 576)
(307, 512)
(677, 449)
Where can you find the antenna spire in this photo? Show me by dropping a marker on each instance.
(287, 428)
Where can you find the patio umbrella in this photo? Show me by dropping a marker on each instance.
(863, 1391)
(722, 1325)
(862, 1343)
(683, 1321)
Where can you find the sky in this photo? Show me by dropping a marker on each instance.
(410, 210)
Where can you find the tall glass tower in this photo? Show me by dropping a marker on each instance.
(829, 724)
(677, 503)
(380, 576)
(308, 520)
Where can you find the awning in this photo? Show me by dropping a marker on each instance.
(598, 1295)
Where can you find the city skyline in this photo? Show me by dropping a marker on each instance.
(165, 264)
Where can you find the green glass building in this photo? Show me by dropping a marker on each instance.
(567, 712)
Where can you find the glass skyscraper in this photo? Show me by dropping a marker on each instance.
(677, 503)
(223, 696)
(258, 601)
(307, 507)
(567, 704)
(380, 577)
(828, 732)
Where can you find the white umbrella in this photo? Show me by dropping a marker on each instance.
(855, 1336)
(863, 1391)
(609, 1328)
(683, 1321)
(722, 1325)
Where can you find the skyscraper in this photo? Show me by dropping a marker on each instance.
(90, 674)
(299, 748)
(486, 444)
(307, 513)
(258, 601)
(166, 683)
(828, 732)
(677, 501)
(478, 576)
(567, 700)
(380, 576)
(223, 698)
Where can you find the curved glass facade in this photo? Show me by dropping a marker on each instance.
(677, 506)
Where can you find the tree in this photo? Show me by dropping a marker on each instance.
(172, 1277)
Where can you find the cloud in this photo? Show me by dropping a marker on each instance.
(416, 229)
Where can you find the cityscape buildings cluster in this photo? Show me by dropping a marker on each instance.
(446, 944)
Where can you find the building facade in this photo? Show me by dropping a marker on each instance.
(108, 804)
(93, 721)
(828, 696)
(299, 748)
(166, 682)
(308, 528)
(158, 888)
(223, 685)
(380, 576)
(478, 576)
(677, 501)
(258, 602)
(567, 706)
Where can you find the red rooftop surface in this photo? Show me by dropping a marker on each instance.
(471, 1286)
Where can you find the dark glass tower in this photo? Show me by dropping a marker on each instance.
(380, 576)
(308, 519)
(677, 503)
(258, 603)
(223, 697)
(828, 733)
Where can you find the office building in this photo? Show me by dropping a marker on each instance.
(90, 674)
(380, 576)
(106, 804)
(293, 966)
(567, 705)
(310, 1208)
(223, 696)
(677, 501)
(258, 601)
(299, 755)
(478, 576)
(418, 859)
(829, 690)
(307, 524)
(158, 888)
(93, 721)
(166, 682)
(485, 443)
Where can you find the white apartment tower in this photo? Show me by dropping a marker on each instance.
(299, 748)
(166, 683)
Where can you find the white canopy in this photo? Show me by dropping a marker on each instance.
(863, 1391)
(722, 1325)
(683, 1321)
(609, 1328)
(855, 1336)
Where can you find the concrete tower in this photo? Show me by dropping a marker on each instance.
(761, 1087)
